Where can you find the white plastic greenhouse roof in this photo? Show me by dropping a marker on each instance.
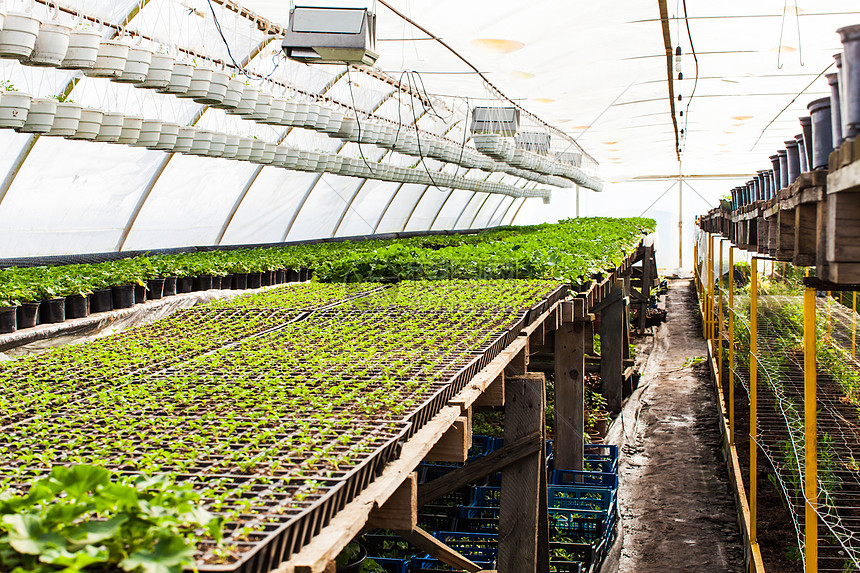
(595, 72)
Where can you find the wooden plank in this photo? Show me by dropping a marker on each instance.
(494, 395)
(423, 540)
(475, 470)
(519, 503)
(805, 240)
(821, 233)
(611, 354)
(843, 227)
(520, 363)
(570, 396)
(454, 444)
(537, 337)
(845, 179)
(400, 511)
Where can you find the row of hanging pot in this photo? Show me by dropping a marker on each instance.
(830, 122)
(24, 38)
(50, 117)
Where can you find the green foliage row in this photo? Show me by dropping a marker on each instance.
(570, 251)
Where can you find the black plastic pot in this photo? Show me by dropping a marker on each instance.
(77, 306)
(792, 159)
(27, 315)
(155, 289)
(822, 132)
(801, 152)
(122, 296)
(357, 564)
(783, 168)
(216, 282)
(227, 282)
(169, 286)
(139, 294)
(806, 127)
(266, 279)
(101, 301)
(835, 111)
(240, 281)
(184, 284)
(293, 276)
(282, 276)
(8, 319)
(850, 36)
(777, 174)
(760, 192)
(255, 280)
(53, 311)
(203, 282)
(304, 274)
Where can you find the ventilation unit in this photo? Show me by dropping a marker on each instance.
(533, 141)
(502, 120)
(331, 36)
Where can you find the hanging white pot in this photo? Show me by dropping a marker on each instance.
(217, 90)
(180, 79)
(91, 122)
(14, 107)
(40, 117)
(235, 87)
(219, 142)
(201, 143)
(136, 66)
(18, 36)
(291, 159)
(66, 120)
(2, 19)
(268, 155)
(201, 77)
(262, 108)
(110, 62)
(184, 139)
(150, 132)
(276, 111)
(289, 116)
(321, 162)
(335, 122)
(281, 152)
(130, 132)
(167, 137)
(347, 126)
(159, 72)
(111, 127)
(311, 117)
(323, 116)
(247, 103)
(231, 146)
(301, 114)
(258, 146)
(51, 45)
(82, 51)
(243, 151)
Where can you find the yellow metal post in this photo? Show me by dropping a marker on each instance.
(753, 396)
(854, 327)
(810, 431)
(731, 346)
(709, 296)
(720, 317)
(829, 316)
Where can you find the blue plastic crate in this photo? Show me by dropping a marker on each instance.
(481, 446)
(607, 480)
(486, 496)
(429, 565)
(575, 525)
(390, 565)
(476, 547)
(573, 497)
(391, 546)
(478, 519)
(600, 465)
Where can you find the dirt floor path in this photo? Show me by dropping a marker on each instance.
(677, 511)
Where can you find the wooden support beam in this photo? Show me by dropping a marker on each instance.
(400, 511)
(537, 337)
(612, 351)
(454, 444)
(423, 540)
(647, 274)
(519, 501)
(473, 471)
(614, 296)
(494, 395)
(520, 363)
(570, 396)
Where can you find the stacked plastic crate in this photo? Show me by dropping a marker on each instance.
(582, 516)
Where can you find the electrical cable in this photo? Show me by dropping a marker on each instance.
(230, 53)
(695, 80)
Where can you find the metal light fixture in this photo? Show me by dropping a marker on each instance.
(331, 36)
(502, 120)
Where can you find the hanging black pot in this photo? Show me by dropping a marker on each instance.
(122, 296)
(53, 311)
(822, 132)
(835, 111)
(77, 306)
(806, 127)
(267, 278)
(792, 159)
(240, 281)
(27, 315)
(850, 36)
(8, 319)
(169, 286)
(155, 289)
(139, 294)
(101, 301)
(801, 152)
(777, 178)
(216, 282)
(255, 280)
(783, 168)
(184, 284)
(293, 276)
(203, 282)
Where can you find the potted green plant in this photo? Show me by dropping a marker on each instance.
(351, 558)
